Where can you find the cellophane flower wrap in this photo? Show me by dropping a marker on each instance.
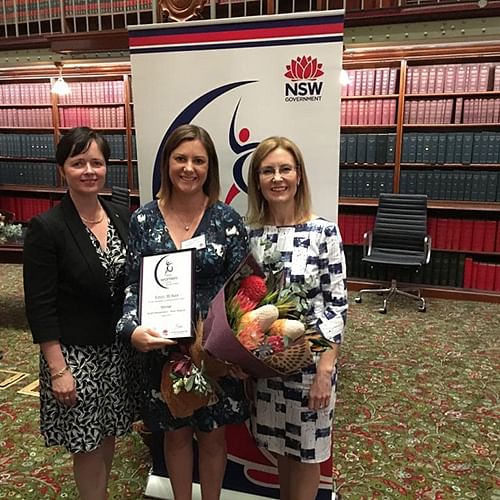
(258, 323)
(189, 378)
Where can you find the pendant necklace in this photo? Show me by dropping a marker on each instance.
(188, 226)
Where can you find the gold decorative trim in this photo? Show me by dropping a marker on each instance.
(31, 389)
(12, 377)
(180, 10)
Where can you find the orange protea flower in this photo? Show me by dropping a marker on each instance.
(245, 303)
(251, 336)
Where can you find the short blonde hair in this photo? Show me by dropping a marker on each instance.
(190, 132)
(258, 209)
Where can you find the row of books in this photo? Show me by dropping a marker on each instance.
(371, 81)
(27, 145)
(26, 117)
(30, 10)
(25, 93)
(118, 146)
(464, 234)
(38, 10)
(446, 233)
(444, 269)
(28, 173)
(42, 146)
(45, 174)
(93, 7)
(451, 110)
(117, 175)
(101, 91)
(108, 117)
(365, 183)
(354, 226)
(451, 147)
(459, 78)
(428, 111)
(367, 148)
(481, 275)
(25, 207)
(368, 112)
(457, 185)
(477, 110)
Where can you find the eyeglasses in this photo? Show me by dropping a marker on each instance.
(282, 170)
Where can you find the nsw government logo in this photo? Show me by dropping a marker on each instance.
(303, 73)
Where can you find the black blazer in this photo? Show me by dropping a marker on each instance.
(66, 292)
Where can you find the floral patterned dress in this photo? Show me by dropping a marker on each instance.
(226, 245)
(312, 255)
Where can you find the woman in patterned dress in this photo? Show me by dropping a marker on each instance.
(293, 417)
(74, 280)
(187, 208)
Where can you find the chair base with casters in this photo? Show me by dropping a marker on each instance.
(392, 292)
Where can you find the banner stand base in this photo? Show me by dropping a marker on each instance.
(159, 487)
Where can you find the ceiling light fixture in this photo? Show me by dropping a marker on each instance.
(60, 86)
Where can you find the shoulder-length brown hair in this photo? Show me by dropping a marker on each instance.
(190, 132)
(258, 209)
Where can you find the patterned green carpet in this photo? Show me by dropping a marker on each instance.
(417, 415)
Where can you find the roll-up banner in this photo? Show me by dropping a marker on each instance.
(243, 79)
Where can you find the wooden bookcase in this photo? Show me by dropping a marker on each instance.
(32, 120)
(426, 120)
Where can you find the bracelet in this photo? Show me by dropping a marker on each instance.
(60, 373)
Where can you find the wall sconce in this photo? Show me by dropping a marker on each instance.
(60, 86)
(344, 78)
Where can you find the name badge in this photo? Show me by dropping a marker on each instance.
(198, 243)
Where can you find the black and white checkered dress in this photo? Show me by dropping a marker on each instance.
(313, 256)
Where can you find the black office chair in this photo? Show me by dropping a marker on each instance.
(399, 240)
(120, 195)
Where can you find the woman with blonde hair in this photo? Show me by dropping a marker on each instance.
(293, 416)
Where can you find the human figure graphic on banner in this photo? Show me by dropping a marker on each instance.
(187, 213)
(292, 417)
(74, 281)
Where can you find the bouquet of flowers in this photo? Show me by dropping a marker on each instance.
(9, 232)
(189, 378)
(258, 323)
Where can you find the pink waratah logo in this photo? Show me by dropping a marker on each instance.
(304, 68)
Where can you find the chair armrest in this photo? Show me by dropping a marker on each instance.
(367, 243)
(427, 248)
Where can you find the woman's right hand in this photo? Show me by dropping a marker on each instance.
(64, 389)
(145, 339)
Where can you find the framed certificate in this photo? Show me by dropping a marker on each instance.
(166, 294)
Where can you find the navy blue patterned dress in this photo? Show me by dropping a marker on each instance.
(226, 246)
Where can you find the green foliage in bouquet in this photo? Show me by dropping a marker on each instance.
(9, 232)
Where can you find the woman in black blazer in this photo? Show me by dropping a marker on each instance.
(74, 257)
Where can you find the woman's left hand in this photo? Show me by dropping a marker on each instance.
(237, 372)
(320, 392)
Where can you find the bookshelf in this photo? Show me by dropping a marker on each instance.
(426, 119)
(32, 120)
